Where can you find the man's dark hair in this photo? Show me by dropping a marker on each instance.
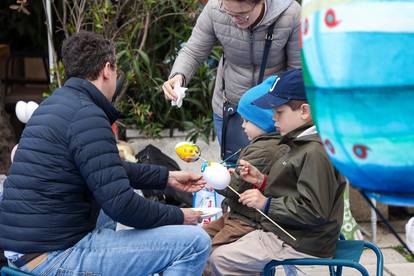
(85, 54)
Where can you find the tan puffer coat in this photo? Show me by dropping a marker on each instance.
(243, 49)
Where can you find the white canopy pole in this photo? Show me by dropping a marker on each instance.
(50, 39)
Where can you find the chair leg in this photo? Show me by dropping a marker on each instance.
(361, 269)
(335, 270)
(270, 271)
(339, 271)
(380, 258)
(332, 271)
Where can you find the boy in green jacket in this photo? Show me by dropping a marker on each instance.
(302, 192)
(258, 125)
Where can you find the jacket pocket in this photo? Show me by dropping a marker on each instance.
(68, 272)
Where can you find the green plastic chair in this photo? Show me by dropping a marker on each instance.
(347, 254)
(8, 271)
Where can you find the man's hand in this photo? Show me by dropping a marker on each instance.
(250, 173)
(253, 198)
(191, 216)
(185, 181)
(168, 86)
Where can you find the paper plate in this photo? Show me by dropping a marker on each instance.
(208, 212)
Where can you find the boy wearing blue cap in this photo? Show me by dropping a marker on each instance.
(258, 125)
(302, 192)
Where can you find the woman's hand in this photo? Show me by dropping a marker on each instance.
(168, 86)
(253, 198)
(250, 173)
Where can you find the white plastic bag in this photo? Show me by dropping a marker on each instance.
(409, 233)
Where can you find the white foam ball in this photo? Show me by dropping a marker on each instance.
(216, 176)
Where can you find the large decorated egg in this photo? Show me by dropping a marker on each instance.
(358, 62)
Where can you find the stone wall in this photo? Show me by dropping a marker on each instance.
(167, 144)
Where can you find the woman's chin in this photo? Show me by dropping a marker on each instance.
(242, 25)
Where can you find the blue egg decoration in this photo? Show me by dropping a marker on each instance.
(358, 64)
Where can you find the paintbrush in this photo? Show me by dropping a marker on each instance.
(266, 216)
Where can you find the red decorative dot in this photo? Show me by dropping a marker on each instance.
(330, 19)
(360, 151)
(306, 26)
(329, 146)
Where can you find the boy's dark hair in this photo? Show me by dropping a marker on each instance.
(295, 104)
(85, 54)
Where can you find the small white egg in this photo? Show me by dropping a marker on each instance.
(216, 176)
(21, 111)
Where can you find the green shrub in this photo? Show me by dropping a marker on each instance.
(148, 35)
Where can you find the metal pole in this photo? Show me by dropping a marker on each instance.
(387, 223)
(374, 221)
(50, 39)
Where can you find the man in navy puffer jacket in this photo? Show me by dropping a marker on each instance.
(67, 168)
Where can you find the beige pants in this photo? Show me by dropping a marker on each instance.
(250, 254)
(224, 231)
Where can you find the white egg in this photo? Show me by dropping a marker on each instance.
(216, 176)
(21, 111)
(25, 110)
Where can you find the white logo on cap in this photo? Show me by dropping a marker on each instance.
(274, 85)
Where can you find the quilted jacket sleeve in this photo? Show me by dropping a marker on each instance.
(94, 151)
(145, 176)
(198, 47)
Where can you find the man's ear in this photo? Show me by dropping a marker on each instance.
(305, 111)
(106, 70)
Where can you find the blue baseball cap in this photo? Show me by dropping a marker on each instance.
(287, 86)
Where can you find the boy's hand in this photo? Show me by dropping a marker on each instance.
(185, 181)
(253, 198)
(250, 173)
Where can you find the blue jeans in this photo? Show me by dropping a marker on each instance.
(218, 126)
(174, 250)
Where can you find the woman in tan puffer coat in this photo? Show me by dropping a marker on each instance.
(240, 26)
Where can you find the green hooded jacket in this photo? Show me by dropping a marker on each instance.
(306, 194)
(261, 152)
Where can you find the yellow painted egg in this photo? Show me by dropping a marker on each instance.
(188, 151)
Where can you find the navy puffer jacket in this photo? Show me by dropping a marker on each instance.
(67, 168)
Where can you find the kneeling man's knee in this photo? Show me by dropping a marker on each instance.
(203, 241)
